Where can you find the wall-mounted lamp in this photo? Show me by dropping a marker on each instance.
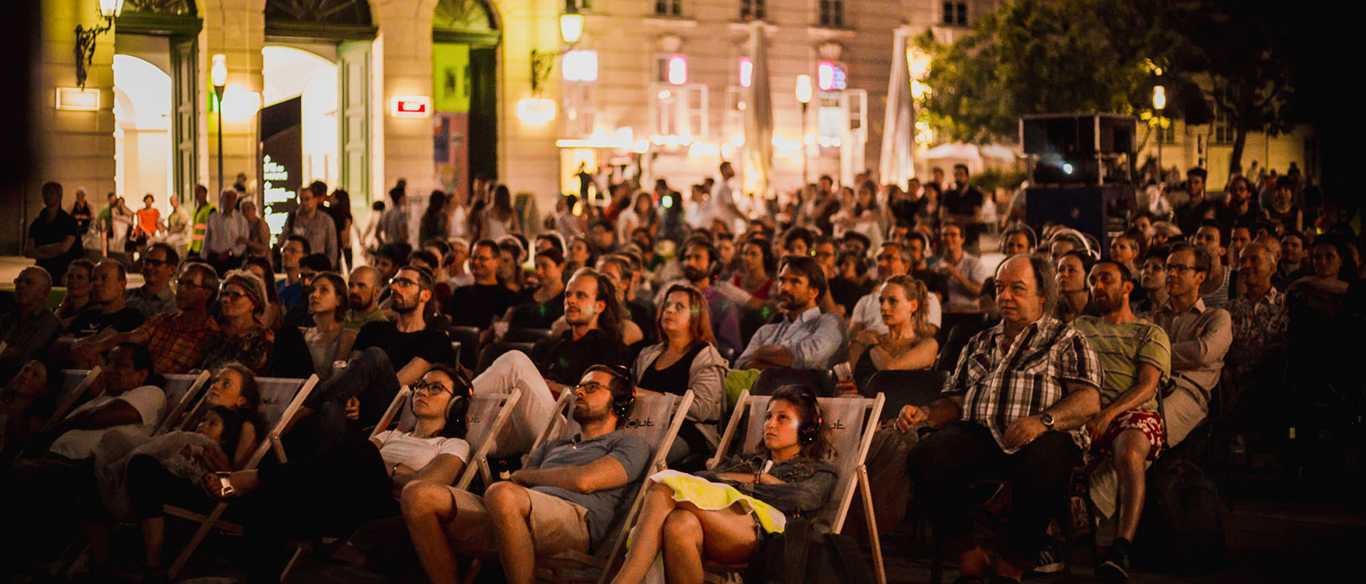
(571, 31)
(79, 100)
(85, 38)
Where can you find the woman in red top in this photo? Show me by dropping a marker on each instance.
(757, 274)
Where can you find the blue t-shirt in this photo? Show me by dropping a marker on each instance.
(631, 451)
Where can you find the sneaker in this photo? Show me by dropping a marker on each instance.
(1049, 561)
(1115, 568)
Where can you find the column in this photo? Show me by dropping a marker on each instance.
(528, 160)
(235, 29)
(402, 66)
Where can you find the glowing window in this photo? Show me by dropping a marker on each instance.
(678, 70)
(746, 72)
(581, 66)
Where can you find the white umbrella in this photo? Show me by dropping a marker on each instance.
(898, 135)
(758, 117)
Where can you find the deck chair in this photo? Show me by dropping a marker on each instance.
(656, 418)
(852, 422)
(488, 415)
(181, 391)
(75, 384)
(281, 399)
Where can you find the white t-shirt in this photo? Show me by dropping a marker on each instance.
(416, 453)
(148, 400)
(868, 313)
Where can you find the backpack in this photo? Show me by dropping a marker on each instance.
(1181, 527)
(802, 555)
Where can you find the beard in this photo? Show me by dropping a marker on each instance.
(1107, 304)
(584, 413)
(694, 275)
(789, 302)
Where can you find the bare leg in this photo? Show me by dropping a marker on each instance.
(510, 508)
(725, 536)
(684, 550)
(153, 540)
(427, 508)
(645, 542)
(974, 562)
(1131, 451)
(98, 533)
(1008, 570)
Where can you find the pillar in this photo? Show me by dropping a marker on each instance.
(236, 29)
(402, 66)
(528, 160)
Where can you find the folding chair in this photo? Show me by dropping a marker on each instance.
(526, 335)
(182, 390)
(281, 399)
(75, 383)
(486, 418)
(468, 337)
(851, 422)
(821, 381)
(647, 420)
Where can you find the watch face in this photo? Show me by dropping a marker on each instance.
(1047, 419)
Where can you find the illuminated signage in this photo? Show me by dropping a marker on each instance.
(831, 76)
(410, 106)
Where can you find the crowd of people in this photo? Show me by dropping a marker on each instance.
(1064, 353)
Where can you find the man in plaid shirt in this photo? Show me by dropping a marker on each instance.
(1011, 410)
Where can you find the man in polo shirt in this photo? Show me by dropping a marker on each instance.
(157, 294)
(1019, 388)
(1136, 358)
(563, 499)
(1200, 338)
(805, 338)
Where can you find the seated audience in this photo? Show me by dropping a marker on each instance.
(1153, 281)
(142, 476)
(907, 341)
(996, 420)
(157, 294)
(327, 339)
(1017, 240)
(701, 265)
(540, 308)
(963, 271)
(1199, 336)
(756, 277)
(617, 269)
(478, 304)
(804, 338)
(686, 358)
(260, 266)
(788, 478)
(851, 283)
(76, 280)
(242, 336)
(1074, 299)
(563, 499)
(31, 328)
(177, 341)
(385, 356)
(290, 290)
(510, 273)
(309, 267)
(1215, 290)
(362, 298)
(894, 259)
(1291, 264)
(1135, 356)
(27, 402)
(332, 494)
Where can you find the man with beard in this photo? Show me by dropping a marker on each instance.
(1127, 433)
(594, 317)
(362, 294)
(563, 499)
(386, 355)
(806, 338)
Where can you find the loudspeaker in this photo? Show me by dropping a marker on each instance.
(1077, 134)
(1102, 211)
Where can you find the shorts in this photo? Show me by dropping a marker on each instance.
(556, 525)
(1144, 420)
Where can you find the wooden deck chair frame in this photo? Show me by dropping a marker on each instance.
(555, 568)
(66, 401)
(479, 459)
(271, 442)
(191, 396)
(856, 481)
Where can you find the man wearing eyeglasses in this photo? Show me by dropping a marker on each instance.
(156, 295)
(176, 340)
(563, 499)
(1200, 337)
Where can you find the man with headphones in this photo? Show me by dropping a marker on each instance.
(701, 263)
(563, 499)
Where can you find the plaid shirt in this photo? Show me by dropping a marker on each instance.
(1258, 330)
(175, 346)
(1001, 384)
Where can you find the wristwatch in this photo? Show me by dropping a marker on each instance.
(1046, 419)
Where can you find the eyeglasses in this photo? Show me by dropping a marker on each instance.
(403, 282)
(430, 388)
(590, 388)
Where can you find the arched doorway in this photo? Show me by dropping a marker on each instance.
(304, 80)
(465, 37)
(142, 131)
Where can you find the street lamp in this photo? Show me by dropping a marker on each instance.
(1159, 104)
(571, 31)
(85, 37)
(804, 98)
(218, 77)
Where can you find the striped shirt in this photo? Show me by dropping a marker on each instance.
(1000, 384)
(1121, 349)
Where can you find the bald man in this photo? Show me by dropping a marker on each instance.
(363, 293)
(31, 327)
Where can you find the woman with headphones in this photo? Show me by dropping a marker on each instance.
(722, 515)
(334, 493)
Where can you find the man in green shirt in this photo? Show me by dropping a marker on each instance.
(1135, 356)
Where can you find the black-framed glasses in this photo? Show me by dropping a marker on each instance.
(403, 282)
(430, 388)
(591, 387)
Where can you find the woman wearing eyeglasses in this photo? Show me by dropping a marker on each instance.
(724, 514)
(334, 493)
(242, 336)
(686, 358)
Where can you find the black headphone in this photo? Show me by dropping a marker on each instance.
(621, 402)
(809, 429)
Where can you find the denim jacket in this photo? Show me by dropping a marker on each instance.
(806, 485)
